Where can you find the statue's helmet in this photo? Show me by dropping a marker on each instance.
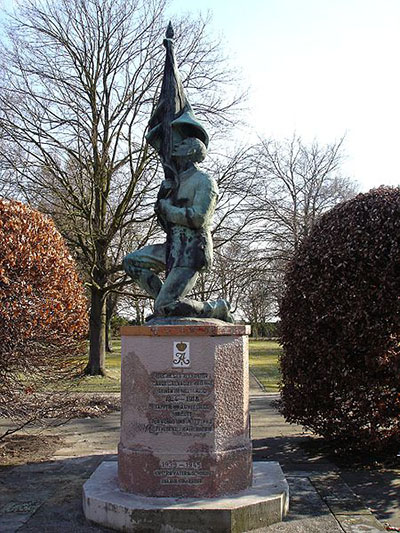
(183, 127)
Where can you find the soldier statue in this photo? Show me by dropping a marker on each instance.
(185, 207)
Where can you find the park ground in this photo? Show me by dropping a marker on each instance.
(44, 495)
(41, 473)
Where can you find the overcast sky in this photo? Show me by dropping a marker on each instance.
(322, 68)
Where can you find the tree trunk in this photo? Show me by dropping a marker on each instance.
(109, 313)
(139, 314)
(254, 330)
(109, 346)
(97, 328)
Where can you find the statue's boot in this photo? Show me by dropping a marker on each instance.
(185, 307)
(218, 309)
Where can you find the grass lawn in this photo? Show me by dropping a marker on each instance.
(263, 364)
(110, 383)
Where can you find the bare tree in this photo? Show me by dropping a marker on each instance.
(79, 84)
(296, 184)
(271, 196)
(258, 304)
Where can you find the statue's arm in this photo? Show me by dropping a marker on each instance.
(197, 215)
(164, 191)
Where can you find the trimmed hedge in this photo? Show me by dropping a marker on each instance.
(43, 321)
(340, 326)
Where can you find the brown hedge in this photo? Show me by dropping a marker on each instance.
(43, 320)
(341, 326)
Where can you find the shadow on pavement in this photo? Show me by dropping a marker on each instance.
(47, 497)
(290, 451)
(379, 488)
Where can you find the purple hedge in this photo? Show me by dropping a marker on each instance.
(340, 326)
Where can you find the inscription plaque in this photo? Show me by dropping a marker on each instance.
(181, 403)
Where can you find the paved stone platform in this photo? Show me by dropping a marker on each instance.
(262, 504)
(47, 497)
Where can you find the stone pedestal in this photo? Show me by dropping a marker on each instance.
(184, 458)
(265, 502)
(185, 411)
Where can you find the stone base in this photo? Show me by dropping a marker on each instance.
(227, 473)
(265, 503)
(185, 410)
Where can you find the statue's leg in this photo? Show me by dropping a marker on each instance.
(171, 300)
(144, 264)
(180, 281)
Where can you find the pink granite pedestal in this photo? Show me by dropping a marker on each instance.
(185, 410)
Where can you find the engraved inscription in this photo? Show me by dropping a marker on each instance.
(181, 473)
(181, 403)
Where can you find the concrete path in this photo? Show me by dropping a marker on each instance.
(46, 497)
(324, 498)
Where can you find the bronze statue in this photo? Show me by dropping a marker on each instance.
(185, 207)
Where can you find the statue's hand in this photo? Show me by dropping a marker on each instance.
(163, 206)
(159, 211)
(165, 189)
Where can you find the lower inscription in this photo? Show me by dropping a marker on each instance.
(181, 473)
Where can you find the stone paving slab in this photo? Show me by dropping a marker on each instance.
(307, 511)
(360, 524)
(380, 491)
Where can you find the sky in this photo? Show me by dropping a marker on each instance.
(320, 68)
